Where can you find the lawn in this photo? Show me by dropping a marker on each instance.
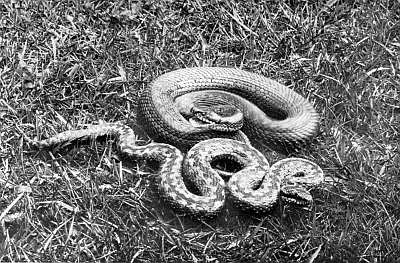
(65, 64)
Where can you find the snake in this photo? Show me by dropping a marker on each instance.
(198, 116)
(274, 116)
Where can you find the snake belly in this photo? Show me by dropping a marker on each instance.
(275, 115)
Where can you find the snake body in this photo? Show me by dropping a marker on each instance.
(255, 187)
(273, 115)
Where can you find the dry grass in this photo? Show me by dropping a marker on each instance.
(68, 63)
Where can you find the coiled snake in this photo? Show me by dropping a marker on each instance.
(206, 107)
(274, 115)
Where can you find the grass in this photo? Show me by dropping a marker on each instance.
(64, 64)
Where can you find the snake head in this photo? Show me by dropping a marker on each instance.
(298, 176)
(217, 117)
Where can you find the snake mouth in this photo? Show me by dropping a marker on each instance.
(198, 121)
(216, 125)
(296, 195)
(217, 117)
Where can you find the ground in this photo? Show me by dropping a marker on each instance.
(64, 64)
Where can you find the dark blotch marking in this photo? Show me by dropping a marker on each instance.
(299, 174)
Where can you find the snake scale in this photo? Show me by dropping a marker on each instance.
(204, 111)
